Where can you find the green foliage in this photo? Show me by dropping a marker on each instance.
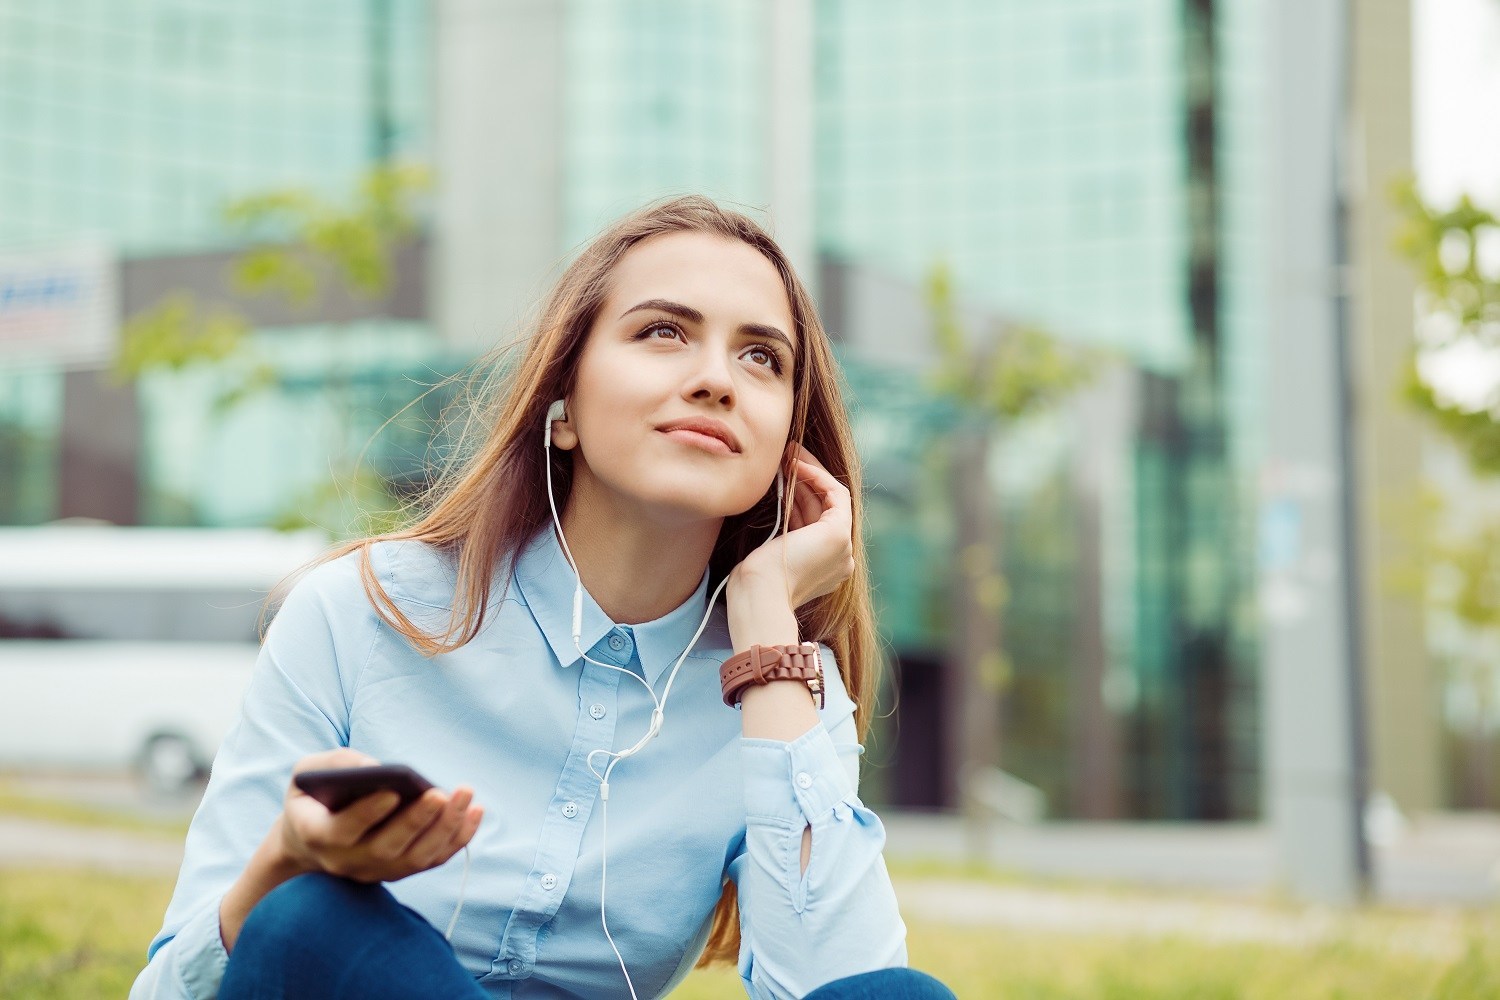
(1477, 432)
(1456, 570)
(1469, 586)
(305, 236)
(351, 503)
(1460, 291)
(1018, 371)
(1444, 245)
(296, 239)
(299, 245)
(177, 332)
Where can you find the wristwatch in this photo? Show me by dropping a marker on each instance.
(763, 664)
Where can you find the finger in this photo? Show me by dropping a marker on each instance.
(815, 498)
(465, 832)
(391, 839)
(835, 496)
(820, 478)
(344, 828)
(459, 840)
(809, 507)
(431, 846)
(328, 759)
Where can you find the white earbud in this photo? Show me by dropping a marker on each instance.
(557, 411)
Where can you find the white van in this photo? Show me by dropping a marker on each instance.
(131, 647)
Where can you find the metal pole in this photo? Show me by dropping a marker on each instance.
(1313, 741)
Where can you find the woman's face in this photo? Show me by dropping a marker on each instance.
(696, 327)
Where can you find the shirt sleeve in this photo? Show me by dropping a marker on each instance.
(800, 930)
(296, 703)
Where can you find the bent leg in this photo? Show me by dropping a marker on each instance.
(883, 984)
(325, 938)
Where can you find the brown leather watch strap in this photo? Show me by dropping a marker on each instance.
(763, 664)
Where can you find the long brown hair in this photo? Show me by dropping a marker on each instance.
(493, 498)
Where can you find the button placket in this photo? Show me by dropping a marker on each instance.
(563, 826)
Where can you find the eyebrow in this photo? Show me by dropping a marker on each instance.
(694, 316)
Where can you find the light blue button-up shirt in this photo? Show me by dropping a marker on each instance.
(514, 714)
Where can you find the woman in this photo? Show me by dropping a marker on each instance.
(677, 393)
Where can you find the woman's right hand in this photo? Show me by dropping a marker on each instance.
(423, 835)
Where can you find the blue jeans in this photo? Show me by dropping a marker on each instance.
(327, 938)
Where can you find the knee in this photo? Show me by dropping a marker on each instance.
(303, 909)
(885, 984)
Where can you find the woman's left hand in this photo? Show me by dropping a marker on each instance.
(817, 553)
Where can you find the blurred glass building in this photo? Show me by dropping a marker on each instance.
(1088, 166)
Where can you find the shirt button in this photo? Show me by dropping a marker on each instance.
(596, 710)
(570, 810)
(616, 642)
(549, 881)
(515, 967)
(804, 780)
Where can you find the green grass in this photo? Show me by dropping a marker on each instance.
(68, 934)
(1005, 964)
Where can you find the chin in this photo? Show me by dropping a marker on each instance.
(696, 504)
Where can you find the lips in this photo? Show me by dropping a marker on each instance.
(702, 425)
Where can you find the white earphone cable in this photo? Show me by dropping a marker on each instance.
(658, 713)
(458, 908)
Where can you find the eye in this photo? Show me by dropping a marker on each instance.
(669, 327)
(772, 356)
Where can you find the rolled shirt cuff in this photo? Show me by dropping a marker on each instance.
(199, 956)
(792, 783)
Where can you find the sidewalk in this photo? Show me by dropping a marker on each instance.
(27, 843)
(1441, 859)
(1438, 933)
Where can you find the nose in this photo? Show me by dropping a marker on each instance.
(711, 379)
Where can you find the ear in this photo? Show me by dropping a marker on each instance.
(563, 435)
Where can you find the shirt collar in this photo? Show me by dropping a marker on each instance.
(546, 582)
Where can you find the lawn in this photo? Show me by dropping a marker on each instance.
(71, 934)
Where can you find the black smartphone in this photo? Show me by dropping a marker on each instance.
(341, 786)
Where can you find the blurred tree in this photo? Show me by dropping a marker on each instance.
(992, 381)
(299, 247)
(1456, 253)
(1458, 575)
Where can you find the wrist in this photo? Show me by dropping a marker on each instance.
(759, 611)
(278, 859)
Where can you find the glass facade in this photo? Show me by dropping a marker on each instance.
(136, 120)
(661, 97)
(133, 123)
(1043, 152)
(1089, 167)
(1035, 147)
